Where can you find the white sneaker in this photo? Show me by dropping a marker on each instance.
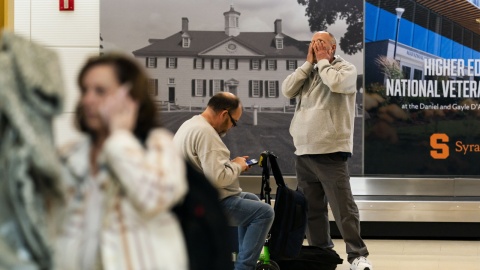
(361, 263)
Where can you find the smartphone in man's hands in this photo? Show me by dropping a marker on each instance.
(251, 162)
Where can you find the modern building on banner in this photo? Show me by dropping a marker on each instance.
(190, 66)
(411, 31)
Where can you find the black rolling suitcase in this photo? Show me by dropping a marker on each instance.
(288, 229)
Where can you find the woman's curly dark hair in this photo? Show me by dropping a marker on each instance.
(127, 70)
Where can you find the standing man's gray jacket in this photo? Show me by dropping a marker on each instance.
(318, 126)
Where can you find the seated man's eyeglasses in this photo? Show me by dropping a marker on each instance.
(231, 119)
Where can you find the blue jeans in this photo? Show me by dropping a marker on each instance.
(253, 219)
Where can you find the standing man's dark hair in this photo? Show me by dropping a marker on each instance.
(322, 131)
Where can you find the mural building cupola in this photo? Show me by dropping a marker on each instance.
(279, 35)
(185, 35)
(231, 22)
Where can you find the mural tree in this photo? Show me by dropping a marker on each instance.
(323, 13)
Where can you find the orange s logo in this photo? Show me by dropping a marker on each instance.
(440, 148)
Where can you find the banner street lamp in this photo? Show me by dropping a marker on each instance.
(399, 11)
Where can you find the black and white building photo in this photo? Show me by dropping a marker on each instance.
(190, 65)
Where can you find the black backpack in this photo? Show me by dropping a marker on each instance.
(204, 225)
(288, 228)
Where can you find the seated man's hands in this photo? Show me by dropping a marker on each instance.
(242, 161)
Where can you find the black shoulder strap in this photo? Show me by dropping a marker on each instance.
(277, 174)
(265, 189)
(267, 158)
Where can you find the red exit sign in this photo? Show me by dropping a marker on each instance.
(66, 5)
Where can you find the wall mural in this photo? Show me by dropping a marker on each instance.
(193, 49)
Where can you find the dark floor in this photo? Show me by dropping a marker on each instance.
(271, 133)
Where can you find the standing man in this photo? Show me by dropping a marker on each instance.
(199, 141)
(322, 131)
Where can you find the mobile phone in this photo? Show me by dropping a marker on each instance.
(251, 162)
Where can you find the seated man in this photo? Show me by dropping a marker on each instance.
(199, 140)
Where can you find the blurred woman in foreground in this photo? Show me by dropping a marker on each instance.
(122, 179)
